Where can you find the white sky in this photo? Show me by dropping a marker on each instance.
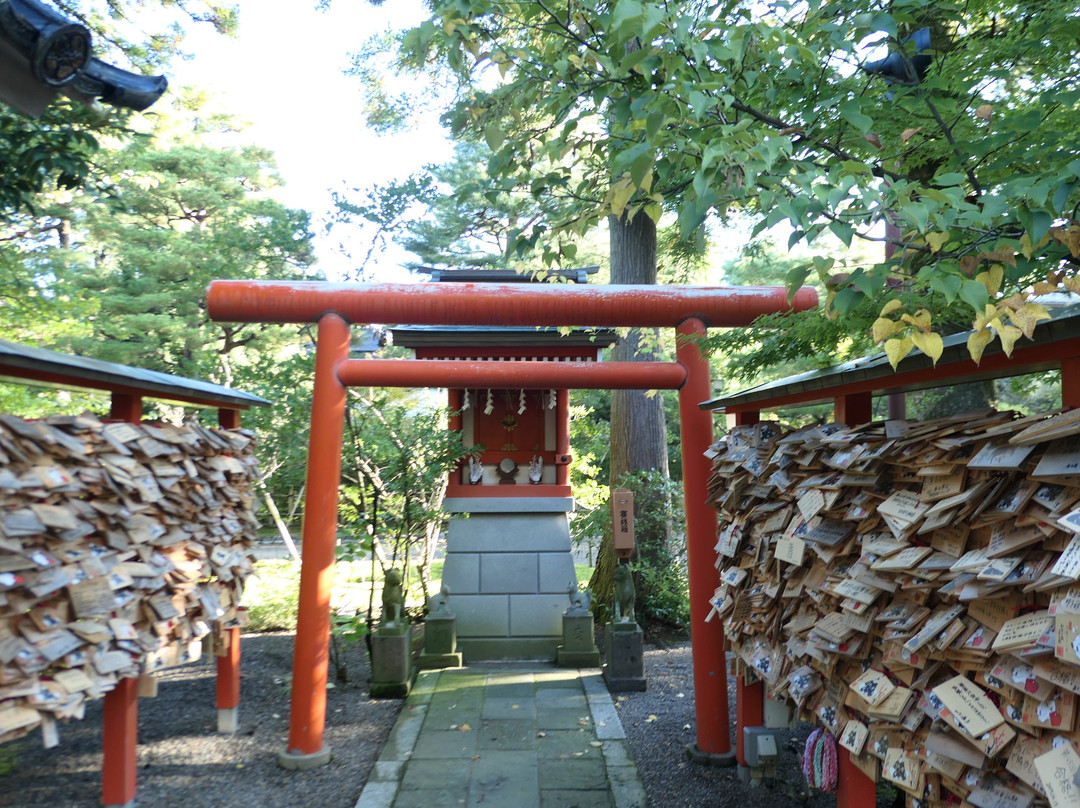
(284, 74)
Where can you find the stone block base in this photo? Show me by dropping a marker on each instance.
(625, 668)
(391, 662)
(299, 762)
(429, 662)
(578, 659)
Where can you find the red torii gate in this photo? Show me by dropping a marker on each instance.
(690, 310)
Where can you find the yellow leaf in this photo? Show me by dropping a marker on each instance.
(983, 320)
(464, 728)
(920, 319)
(650, 719)
(937, 241)
(1070, 237)
(1012, 302)
(830, 312)
(1044, 288)
(884, 328)
(1008, 334)
(986, 112)
(1006, 255)
(908, 134)
(620, 194)
(1027, 316)
(1072, 283)
(1029, 249)
(977, 342)
(992, 278)
(897, 349)
(930, 344)
(890, 307)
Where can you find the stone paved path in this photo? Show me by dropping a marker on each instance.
(506, 736)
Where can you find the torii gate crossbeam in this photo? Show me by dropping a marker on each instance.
(690, 310)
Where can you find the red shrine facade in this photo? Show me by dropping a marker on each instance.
(521, 437)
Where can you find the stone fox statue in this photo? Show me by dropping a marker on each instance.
(624, 594)
(393, 599)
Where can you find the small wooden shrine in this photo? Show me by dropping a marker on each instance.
(508, 556)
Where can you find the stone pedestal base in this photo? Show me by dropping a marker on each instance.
(431, 662)
(228, 720)
(508, 565)
(298, 762)
(625, 668)
(440, 644)
(578, 649)
(391, 662)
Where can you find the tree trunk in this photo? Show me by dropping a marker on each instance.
(638, 426)
(638, 429)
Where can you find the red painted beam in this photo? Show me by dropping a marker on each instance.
(120, 718)
(853, 409)
(1070, 382)
(227, 687)
(519, 304)
(713, 742)
(749, 712)
(307, 719)
(120, 727)
(125, 407)
(853, 788)
(518, 375)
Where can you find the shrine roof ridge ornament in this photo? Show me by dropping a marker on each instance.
(499, 304)
(43, 53)
(488, 275)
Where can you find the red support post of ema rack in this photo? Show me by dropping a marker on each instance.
(228, 650)
(121, 708)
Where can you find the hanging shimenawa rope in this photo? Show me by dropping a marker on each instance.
(819, 760)
(490, 403)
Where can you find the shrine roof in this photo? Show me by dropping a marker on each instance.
(1052, 341)
(479, 275)
(423, 336)
(43, 53)
(29, 365)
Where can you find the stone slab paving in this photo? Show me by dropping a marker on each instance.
(506, 736)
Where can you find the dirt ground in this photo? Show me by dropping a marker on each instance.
(183, 762)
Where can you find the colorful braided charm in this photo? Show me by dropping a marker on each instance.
(819, 760)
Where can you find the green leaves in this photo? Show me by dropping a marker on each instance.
(852, 113)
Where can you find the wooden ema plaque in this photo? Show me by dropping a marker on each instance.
(923, 599)
(121, 547)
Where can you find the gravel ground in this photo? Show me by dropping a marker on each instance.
(184, 763)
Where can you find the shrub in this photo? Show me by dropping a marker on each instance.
(272, 595)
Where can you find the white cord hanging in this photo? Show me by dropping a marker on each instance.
(551, 399)
(490, 407)
(465, 402)
(521, 402)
